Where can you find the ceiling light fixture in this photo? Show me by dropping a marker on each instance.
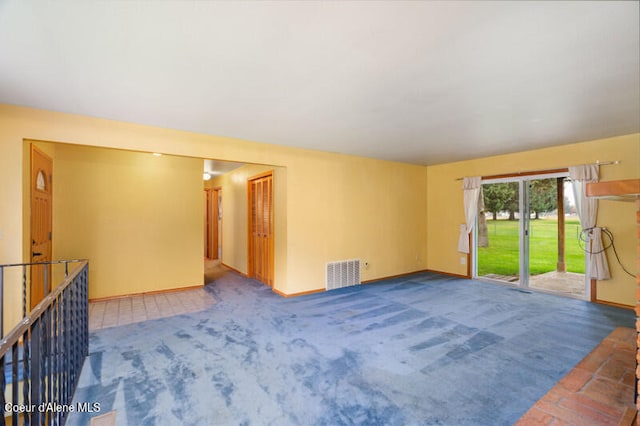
(206, 176)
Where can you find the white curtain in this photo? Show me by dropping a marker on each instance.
(587, 208)
(471, 187)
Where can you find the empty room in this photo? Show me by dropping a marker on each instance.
(310, 212)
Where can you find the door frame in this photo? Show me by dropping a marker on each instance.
(524, 223)
(521, 232)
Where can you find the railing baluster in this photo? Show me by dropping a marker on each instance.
(48, 356)
(26, 371)
(44, 375)
(72, 334)
(76, 327)
(67, 343)
(15, 377)
(56, 356)
(85, 319)
(35, 369)
(3, 386)
(24, 291)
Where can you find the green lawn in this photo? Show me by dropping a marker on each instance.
(501, 257)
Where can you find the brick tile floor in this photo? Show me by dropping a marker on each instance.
(598, 391)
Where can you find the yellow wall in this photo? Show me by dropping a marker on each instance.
(329, 206)
(348, 208)
(445, 203)
(128, 212)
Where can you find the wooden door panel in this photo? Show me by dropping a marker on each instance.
(206, 223)
(211, 223)
(41, 222)
(261, 229)
(214, 238)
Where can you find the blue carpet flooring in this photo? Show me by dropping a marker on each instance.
(423, 349)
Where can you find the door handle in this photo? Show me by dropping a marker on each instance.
(35, 253)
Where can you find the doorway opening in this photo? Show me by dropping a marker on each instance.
(218, 177)
(246, 211)
(528, 235)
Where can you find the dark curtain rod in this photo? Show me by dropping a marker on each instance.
(534, 172)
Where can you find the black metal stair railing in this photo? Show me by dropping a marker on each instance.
(41, 358)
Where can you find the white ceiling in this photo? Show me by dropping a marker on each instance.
(420, 82)
(215, 167)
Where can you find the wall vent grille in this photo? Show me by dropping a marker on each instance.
(344, 273)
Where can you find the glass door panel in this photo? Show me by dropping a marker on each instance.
(556, 262)
(538, 249)
(498, 235)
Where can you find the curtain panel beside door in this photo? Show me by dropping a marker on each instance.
(472, 188)
(587, 208)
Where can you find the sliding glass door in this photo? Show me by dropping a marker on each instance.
(498, 236)
(556, 260)
(528, 235)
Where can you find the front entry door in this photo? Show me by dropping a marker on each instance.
(41, 223)
(261, 228)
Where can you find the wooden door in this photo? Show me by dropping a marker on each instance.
(211, 223)
(261, 228)
(41, 223)
(214, 252)
(206, 223)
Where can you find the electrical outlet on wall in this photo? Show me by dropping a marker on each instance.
(463, 260)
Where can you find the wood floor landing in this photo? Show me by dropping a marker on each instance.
(599, 390)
